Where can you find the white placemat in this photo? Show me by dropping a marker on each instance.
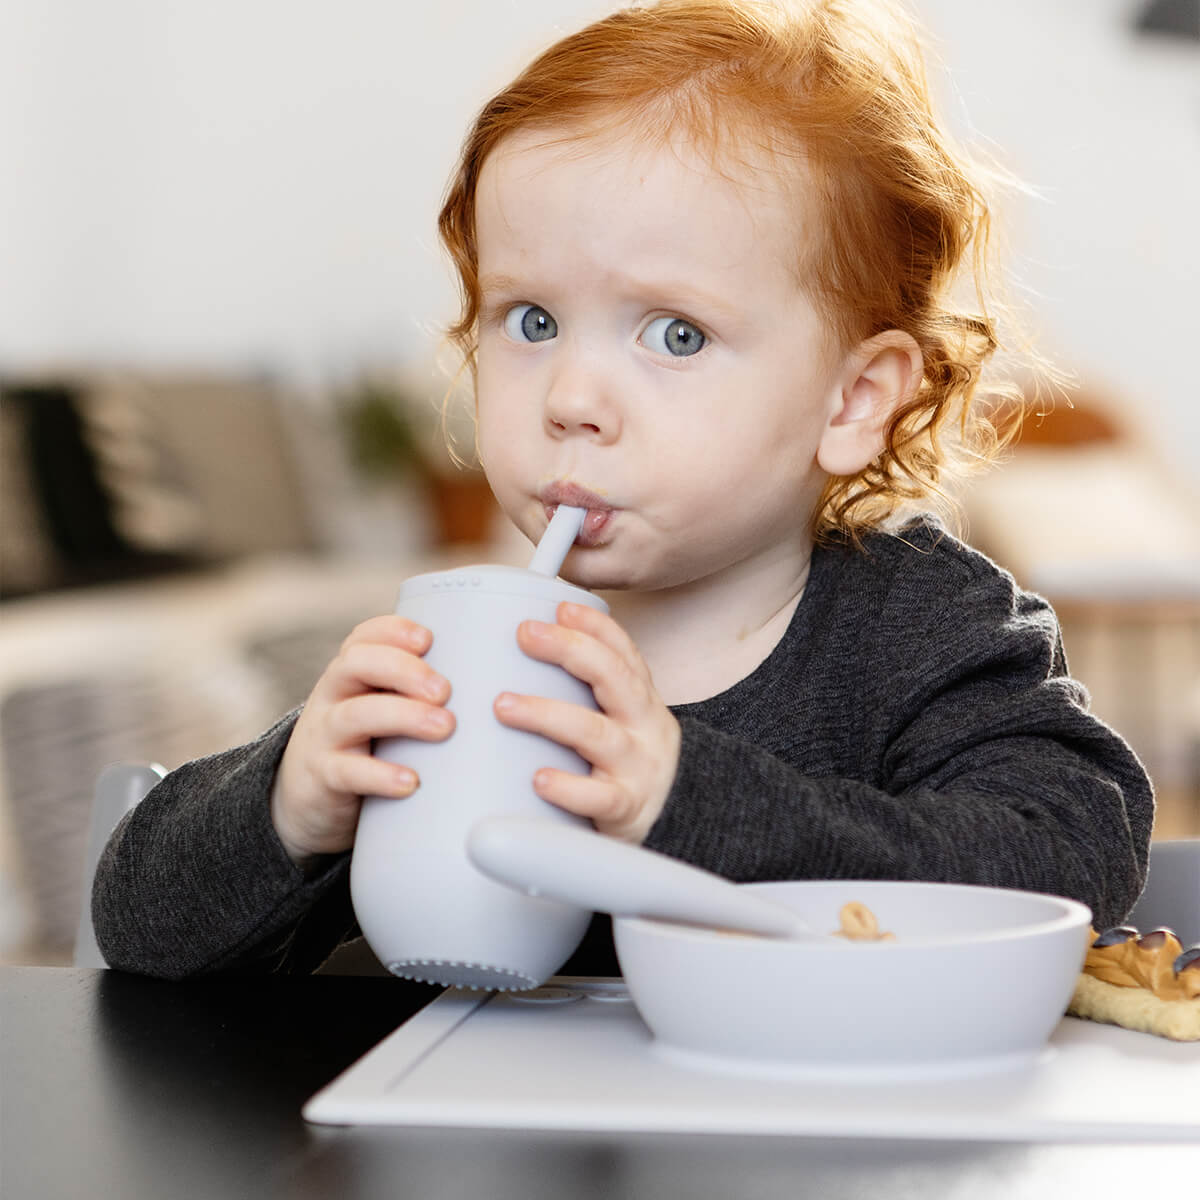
(472, 1059)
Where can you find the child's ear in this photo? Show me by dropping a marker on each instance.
(877, 377)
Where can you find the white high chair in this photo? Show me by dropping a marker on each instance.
(119, 788)
(1172, 893)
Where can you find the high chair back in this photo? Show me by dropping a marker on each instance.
(1172, 893)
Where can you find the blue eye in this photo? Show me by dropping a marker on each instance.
(674, 336)
(528, 323)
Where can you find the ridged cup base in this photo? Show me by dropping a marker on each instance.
(481, 976)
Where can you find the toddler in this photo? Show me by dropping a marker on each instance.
(705, 250)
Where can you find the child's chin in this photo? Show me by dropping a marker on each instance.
(583, 569)
(606, 581)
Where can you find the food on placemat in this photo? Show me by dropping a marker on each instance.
(1147, 982)
(859, 924)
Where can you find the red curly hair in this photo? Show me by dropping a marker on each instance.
(838, 85)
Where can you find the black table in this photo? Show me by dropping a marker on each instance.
(117, 1086)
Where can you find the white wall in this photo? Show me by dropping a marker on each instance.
(254, 182)
(1106, 127)
(238, 181)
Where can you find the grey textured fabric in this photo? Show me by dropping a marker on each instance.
(916, 721)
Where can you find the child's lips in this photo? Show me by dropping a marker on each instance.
(594, 524)
(600, 512)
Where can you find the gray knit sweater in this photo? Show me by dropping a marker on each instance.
(915, 722)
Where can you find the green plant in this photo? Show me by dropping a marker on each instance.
(382, 439)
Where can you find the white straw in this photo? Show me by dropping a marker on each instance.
(559, 537)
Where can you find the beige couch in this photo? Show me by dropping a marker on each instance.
(234, 585)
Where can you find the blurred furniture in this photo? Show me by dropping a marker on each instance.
(1086, 514)
(164, 670)
(112, 475)
(181, 553)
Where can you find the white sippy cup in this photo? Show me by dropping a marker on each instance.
(424, 908)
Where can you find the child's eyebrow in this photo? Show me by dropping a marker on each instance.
(490, 284)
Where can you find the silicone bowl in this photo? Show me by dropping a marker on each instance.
(976, 979)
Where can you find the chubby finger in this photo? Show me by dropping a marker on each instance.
(599, 798)
(362, 665)
(361, 718)
(365, 775)
(589, 733)
(600, 626)
(391, 630)
(619, 686)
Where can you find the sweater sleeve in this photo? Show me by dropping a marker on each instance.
(971, 758)
(194, 880)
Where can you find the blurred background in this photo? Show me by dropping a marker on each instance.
(221, 364)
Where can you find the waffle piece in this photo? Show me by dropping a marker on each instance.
(1147, 982)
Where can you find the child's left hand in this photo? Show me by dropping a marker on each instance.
(632, 743)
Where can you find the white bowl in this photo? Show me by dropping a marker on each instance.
(976, 979)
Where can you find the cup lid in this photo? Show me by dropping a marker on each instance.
(495, 580)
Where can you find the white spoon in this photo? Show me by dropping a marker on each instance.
(578, 866)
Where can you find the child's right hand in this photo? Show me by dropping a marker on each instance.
(377, 686)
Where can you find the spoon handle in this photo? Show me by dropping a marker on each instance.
(587, 869)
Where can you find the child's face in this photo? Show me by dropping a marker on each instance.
(646, 350)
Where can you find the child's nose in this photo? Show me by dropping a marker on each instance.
(580, 403)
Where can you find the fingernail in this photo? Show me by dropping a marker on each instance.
(437, 720)
(406, 778)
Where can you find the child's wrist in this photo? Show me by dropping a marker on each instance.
(300, 856)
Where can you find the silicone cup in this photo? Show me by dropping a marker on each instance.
(425, 910)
